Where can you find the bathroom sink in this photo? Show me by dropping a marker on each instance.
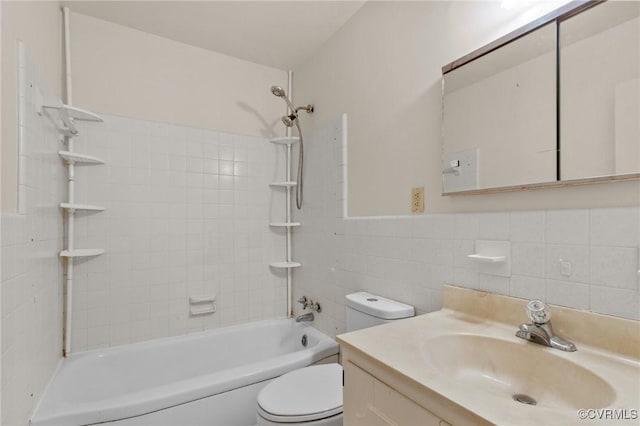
(521, 371)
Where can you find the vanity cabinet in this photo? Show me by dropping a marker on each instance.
(374, 395)
(370, 402)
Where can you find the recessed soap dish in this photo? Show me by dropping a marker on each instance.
(492, 257)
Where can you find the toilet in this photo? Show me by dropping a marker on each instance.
(313, 395)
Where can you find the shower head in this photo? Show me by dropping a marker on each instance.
(278, 91)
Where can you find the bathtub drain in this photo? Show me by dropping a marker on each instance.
(524, 399)
(304, 340)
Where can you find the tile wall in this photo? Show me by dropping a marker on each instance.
(410, 258)
(188, 214)
(31, 280)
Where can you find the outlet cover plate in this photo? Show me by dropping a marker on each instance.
(417, 199)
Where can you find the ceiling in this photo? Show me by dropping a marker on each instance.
(281, 34)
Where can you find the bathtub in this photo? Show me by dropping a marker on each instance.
(196, 379)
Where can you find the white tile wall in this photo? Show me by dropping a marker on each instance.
(188, 214)
(410, 258)
(31, 280)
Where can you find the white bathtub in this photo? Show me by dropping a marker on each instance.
(128, 381)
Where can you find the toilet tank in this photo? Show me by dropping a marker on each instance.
(367, 310)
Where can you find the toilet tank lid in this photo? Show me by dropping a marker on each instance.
(378, 306)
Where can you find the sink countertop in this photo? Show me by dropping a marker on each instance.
(403, 348)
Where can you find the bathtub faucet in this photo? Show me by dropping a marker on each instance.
(305, 317)
(308, 303)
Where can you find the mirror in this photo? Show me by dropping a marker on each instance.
(600, 91)
(499, 116)
(501, 103)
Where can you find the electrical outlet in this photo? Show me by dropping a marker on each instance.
(417, 199)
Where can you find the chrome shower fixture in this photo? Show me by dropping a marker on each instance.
(307, 108)
(279, 92)
(290, 120)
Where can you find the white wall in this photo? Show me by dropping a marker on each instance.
(383, 68)
(187, 214)
(122, 71)
(31, 279)
(410, 258)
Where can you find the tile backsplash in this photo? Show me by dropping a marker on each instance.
(582, 258)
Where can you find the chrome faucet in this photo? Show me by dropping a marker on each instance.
(540, 330)
(308, 303)
(305, 317)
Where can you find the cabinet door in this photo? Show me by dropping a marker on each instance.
(369, 402)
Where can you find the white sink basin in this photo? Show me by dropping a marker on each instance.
(490, 366)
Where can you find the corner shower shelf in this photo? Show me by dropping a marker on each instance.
(284, 224)
(287, 184)
(74, 157)
(285, 265)
(287, 140)
(69, 113)
(86, 207)
(81, 253)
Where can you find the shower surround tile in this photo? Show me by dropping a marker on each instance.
(32, 274)
(188, 214)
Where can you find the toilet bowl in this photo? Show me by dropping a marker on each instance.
(312, 396)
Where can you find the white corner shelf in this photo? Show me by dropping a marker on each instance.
(286, 184)
(86, 207)
(81, 253)
(74, 157)
(284, 224)
(68, 113)
(488, 259)
(285, 265)
(287, 140)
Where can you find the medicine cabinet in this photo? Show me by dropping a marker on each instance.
(554, 103)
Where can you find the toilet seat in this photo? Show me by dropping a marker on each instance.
(308, 394)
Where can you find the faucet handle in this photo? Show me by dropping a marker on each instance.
(538, 312)
(303, 300)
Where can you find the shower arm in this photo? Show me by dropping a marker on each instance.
(307, 108)
(294, 110)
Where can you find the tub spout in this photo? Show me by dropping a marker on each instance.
(305, 317)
